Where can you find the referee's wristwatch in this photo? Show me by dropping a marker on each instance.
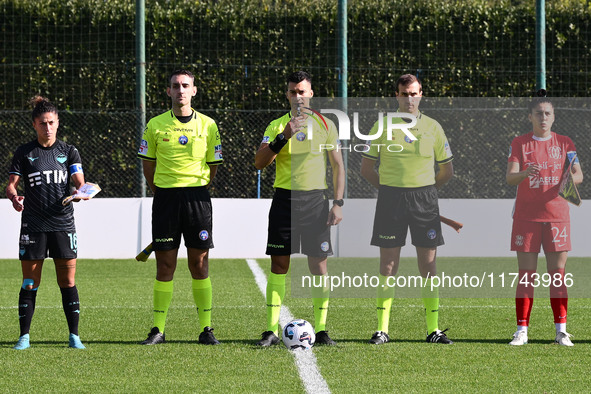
(339, 203)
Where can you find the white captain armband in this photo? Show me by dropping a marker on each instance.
(75, 168)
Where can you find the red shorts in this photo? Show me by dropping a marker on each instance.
(529, 236)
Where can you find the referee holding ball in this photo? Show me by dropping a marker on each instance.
(300, 185)
(180, 151)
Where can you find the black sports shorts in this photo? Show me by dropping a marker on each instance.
(297, 223)
(182, 210)
(55, 244)
(399, 209)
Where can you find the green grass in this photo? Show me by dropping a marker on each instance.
(116, 298)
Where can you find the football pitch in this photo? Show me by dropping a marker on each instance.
(116, 314)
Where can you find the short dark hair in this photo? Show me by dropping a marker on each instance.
(540, 97)
(182, 71)
(41, 105)
(406, 80)
(298, 77)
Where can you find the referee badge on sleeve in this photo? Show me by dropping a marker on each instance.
(143, 147)
(447, 149)
(218, 152)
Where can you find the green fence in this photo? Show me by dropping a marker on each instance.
(81, 55)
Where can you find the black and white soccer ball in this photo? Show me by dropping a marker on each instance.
(298, 334)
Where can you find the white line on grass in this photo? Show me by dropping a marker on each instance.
(304, 360)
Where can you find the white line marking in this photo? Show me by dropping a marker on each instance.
(304, 360)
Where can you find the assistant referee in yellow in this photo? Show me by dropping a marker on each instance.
(180, 152)
(407, 198)
(300, 215)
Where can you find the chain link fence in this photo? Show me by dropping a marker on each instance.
(479, 131)
(81, 56)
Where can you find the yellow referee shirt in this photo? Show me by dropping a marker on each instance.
(407, 163)
(301, 164)
(182, 151)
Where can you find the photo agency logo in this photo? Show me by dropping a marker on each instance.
(385, 122)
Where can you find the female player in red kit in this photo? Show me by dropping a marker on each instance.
(541, 217)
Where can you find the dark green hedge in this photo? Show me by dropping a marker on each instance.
(82, 51)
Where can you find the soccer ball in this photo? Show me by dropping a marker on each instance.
(298, 334)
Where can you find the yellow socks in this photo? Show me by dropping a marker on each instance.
(162, 299)
(202, 294)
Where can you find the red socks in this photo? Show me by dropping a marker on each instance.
(558, 296)
(524, 297)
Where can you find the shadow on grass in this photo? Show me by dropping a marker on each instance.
(252, 343)
(501, 341)
(44, 344)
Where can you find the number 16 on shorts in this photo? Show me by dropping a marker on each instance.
(73, 241)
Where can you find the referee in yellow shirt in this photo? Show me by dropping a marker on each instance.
(300, 186)
(407, 198)
(180, 151)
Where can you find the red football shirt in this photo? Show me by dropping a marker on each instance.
(537, 197)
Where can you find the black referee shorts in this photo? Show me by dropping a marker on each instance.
(399, 209)
(297, 223)
(182, 210)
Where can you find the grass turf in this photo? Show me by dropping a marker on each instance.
(116, 303)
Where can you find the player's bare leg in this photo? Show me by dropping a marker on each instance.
(527, 261)
(198, 260)
(280, 264)
(556, 260)
(318, 265)
(389, 261)
(65, 270)
(32, 269)
(166, 261)
(427, 261)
